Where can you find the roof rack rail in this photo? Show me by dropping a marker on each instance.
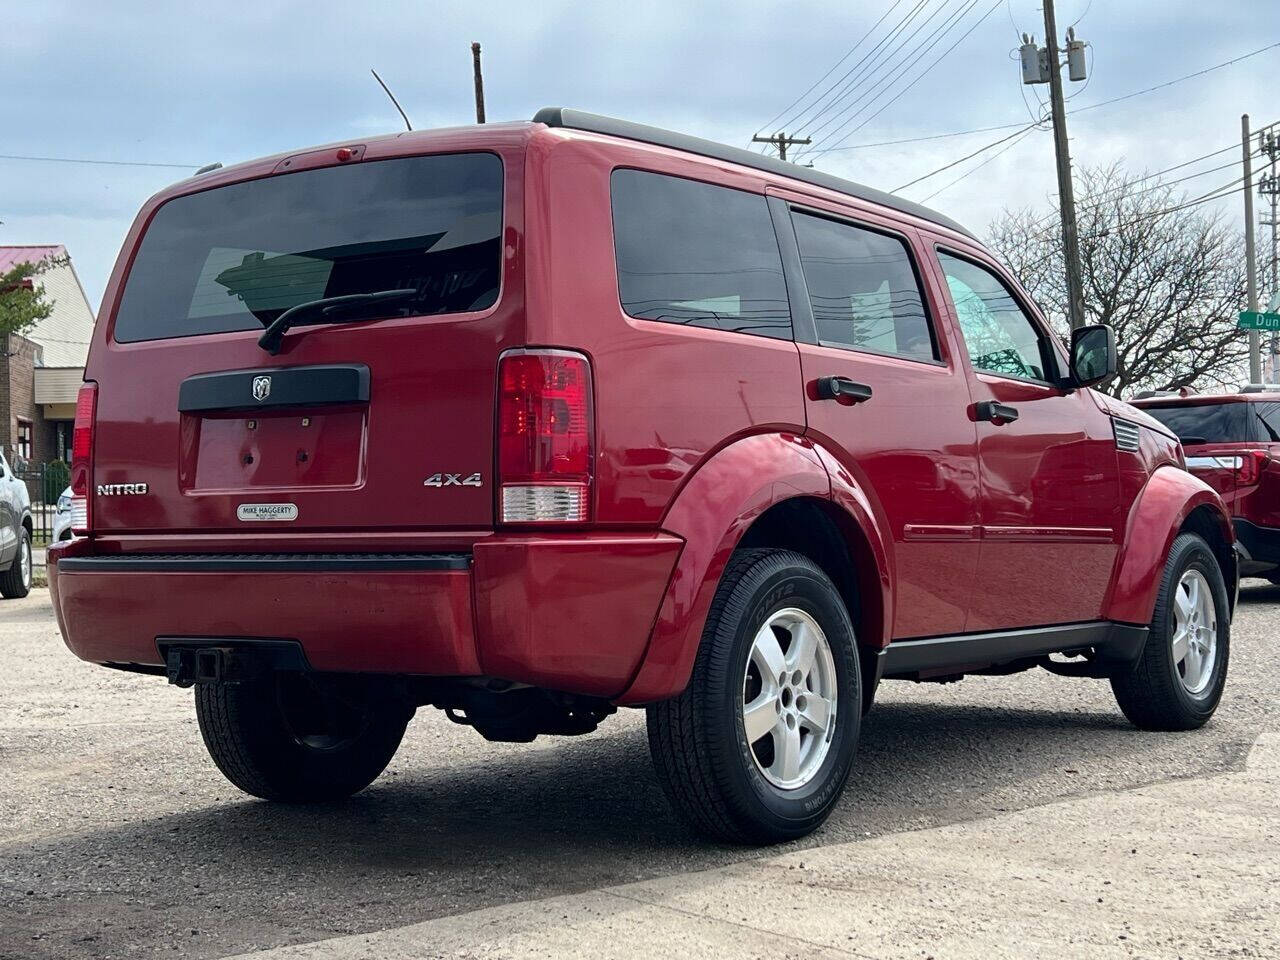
(611, 126)
(1260, 388)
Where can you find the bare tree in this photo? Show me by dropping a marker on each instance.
(1169, 280)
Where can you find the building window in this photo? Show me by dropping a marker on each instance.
(26, 440)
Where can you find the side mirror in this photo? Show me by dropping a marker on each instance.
(1093, 355)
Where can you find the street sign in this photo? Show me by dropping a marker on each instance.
(1257, 320)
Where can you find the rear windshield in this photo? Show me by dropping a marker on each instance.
(236, 257)
(1207, 422)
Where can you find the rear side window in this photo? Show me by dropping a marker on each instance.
(999, 336)
(697, 254)
(236, 257)
(863, 289)
(1207, 422)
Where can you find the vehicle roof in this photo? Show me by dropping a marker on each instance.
(567, 118)
(496, 134)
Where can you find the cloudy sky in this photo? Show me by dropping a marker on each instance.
(188, 83)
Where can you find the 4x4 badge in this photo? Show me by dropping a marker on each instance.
(261, 388)
(453, 480)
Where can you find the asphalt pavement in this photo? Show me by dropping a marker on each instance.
(975, 816)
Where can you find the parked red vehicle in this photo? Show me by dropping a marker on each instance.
(532, 421)
(1231, 442)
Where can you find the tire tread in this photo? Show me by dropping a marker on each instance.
(689, 771)
(11, 585)
(1147, 694)
(244, 735)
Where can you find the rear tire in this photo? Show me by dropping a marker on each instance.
(1177, 682)
(298, 737)
(781, 780)
(15, 583)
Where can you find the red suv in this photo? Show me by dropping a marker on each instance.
(1230, 443)
(532, 421)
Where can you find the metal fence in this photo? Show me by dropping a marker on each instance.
(41, 479)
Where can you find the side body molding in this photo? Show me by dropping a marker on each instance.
(711, 514)
(1158, 512)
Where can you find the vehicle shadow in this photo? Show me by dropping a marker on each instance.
(1259, 591)
(431, 841)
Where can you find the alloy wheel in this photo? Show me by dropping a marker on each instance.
(789, 698)
(1195, 632)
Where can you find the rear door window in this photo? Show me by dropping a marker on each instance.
(236, 257)
(697, 254)
(863, 289)
(1207, 422)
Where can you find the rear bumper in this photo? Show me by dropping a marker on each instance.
(1258, 547)
(570, 613)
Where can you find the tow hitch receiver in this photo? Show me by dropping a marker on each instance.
(207, 660)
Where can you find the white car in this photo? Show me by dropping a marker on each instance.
(62, 518)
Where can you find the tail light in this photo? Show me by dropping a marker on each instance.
(82, 457)
(1252, 463)
(545, 453)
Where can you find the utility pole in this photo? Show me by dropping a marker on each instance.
(475, 65)
(1041, 65)
(781, 141)
(1269, 186)
(1251, 263)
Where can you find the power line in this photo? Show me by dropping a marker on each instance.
(858, 71)
(969, 156)
(934, 136)
(1121, 189)
(832, 69)
(898, 96)
(1087, 7)
(1010, 126)
(862, 70)
(1170, 83)
(1217, 193)
(889, 71)
(846, 114)
(1013, 143)
(110, 163)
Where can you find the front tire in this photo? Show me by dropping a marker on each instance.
(758, 747)
(299, 737)
(1178, 681)
(15, 583)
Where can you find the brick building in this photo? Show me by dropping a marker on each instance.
(41, 371)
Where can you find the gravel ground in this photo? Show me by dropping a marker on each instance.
(118, 837)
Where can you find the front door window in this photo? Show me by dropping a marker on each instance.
(1000, 338)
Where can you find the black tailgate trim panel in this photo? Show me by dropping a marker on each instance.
(264, 562)
(311, 386)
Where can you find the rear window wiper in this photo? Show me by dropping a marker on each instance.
(326, 310)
